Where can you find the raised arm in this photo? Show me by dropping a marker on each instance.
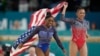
(63, 15)
(64, 9)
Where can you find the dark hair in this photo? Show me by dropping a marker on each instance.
(79, 8)
(48, 15)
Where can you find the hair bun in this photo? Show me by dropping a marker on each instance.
(48, 14)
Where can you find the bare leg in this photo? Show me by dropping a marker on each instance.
(47, 52)
(73, 49)
(83, 50)
(39, 52)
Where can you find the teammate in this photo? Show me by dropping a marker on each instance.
(45, 33)
(1, 51)
(79, 27)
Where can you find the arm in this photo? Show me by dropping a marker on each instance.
(87, 35)
(63, 15)
(88, 27)
(28, 35)
(57, 40)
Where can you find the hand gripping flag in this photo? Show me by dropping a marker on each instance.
(37, 19)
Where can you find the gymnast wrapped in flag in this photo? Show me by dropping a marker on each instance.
(45, 33)
(37, 19)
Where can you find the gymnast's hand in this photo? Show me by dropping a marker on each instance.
(64, 8)
(87, 35)
(20, 46)
(65, 52)
(65, 5)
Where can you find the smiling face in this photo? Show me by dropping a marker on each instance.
(49, 21)
(80, 14)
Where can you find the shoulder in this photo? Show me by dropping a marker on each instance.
(36, 28)
(39, 27)
(54, 29)
(86, 21)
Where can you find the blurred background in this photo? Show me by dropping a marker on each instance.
(15, 17)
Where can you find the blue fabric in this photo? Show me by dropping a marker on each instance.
(43, 47)
(23, 36)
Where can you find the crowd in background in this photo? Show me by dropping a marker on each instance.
(32, 5)
(5, 49)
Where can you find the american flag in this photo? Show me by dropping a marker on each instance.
(37, 18)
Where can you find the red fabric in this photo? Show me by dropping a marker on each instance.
(79, 43)
(1, 51)
(79, 36)
(37, 19)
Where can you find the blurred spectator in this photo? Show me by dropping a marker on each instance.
(15, 5)
(44, 3)
(9, 5)
(3, 5)
(61, 26)
(23, 24)
(33, 5)
(1, 51)
(71, 5)
(85, 4)
(23, 5)
(6, 48)
(19, 25)
(0, 5)
(94, 5)
(55, 1)
(3, 24)
(93, 26)
(16, 25)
